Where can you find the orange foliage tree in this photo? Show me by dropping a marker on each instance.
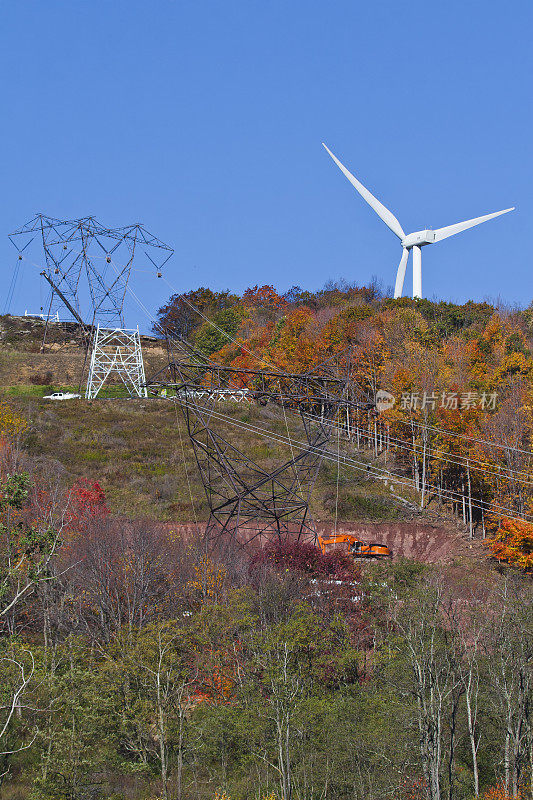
(513, 543)
(264, 297)
(208, 581)
(499, 792)
(292, 347)
(413, 789)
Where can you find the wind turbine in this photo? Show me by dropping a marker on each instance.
(413, 241)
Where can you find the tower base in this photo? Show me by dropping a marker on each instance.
(116, 352)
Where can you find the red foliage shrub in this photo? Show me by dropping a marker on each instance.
(87, 502)
(308, 559)
(413, 789)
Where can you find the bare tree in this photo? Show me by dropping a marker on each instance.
(509, 648)
(31, 525)
(430, 677)
(467, 623)
(158, 671)
(124, 575)
(282, 686)
(17, 670)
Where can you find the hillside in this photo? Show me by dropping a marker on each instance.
(139, 452)
(113, 596)
(23, 362)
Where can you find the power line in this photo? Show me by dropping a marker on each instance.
(361, 465)
(398, 443)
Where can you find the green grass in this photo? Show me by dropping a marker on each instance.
(29, 390)
(369, 507)
(93, 455)
(152, 469)
(132, 448)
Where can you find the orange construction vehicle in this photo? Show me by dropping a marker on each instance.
(356, 547)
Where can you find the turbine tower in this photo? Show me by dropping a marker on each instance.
(413, 241)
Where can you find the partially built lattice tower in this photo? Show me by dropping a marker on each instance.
(249, 501)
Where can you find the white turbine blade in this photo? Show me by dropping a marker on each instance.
(387, 216)
(451, 230)
(400, 275)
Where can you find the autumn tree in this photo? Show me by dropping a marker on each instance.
(263, 297)
(184, 313)
(291, 347)
(513, 542)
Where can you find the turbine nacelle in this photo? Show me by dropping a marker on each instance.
(419, 238)
(413, 241)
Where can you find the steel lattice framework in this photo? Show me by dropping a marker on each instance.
(248, 501)
(116, 352)
(84, 249)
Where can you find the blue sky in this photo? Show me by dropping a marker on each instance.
(203, 120)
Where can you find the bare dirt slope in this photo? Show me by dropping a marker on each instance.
(61, 362)
(427, 542)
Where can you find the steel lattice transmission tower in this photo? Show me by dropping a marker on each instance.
(88, 267)
(249, 501)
